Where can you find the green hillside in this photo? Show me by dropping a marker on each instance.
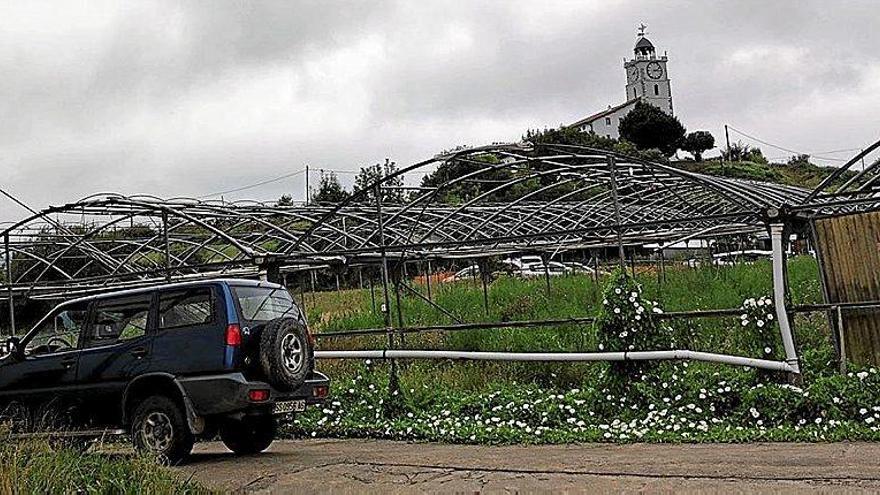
(800, 173)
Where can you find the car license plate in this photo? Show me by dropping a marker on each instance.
(290, 406)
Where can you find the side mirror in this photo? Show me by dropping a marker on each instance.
(11, 346)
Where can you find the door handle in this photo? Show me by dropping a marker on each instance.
(139, 352)
(68, 362)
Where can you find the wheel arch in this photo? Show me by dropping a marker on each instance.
(159, 383)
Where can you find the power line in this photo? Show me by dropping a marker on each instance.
(251, 186)
(787, 150)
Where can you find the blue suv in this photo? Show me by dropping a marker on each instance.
(169, 365)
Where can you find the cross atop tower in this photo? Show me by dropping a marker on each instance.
(642, 29)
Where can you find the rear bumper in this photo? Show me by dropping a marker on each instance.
(229, 393)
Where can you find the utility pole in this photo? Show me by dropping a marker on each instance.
(307, 183)
(727, 138)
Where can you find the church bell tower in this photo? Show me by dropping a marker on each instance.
(646, 75)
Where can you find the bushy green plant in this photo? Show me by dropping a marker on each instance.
(626, 319)
(759, 317)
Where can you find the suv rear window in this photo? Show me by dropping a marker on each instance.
(186, 308)
(264, 303)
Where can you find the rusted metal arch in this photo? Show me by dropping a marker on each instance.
(655, 201)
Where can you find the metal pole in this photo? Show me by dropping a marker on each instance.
(9, 284)
(384, 255)
(483, 276)
(727, 137)
(397, 280)
(167, 246)
(779, 290)
(560, 356)
(663, 264)
(302, 294)
(546, 273)
(386, 307)
(632, 263)
(842, 342)
(613, 168)
(428, 279)
(308, 194)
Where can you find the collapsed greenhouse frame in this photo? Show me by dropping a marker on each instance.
(498, 200)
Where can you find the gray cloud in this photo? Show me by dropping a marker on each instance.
(174, 98)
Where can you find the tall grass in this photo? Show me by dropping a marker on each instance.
(510, 298)
(40, 467)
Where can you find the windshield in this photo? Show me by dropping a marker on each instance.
(264, 303)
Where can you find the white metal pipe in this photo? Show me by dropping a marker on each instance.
(558, 356)
(776, 233)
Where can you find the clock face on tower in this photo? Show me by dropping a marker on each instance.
(654, 70)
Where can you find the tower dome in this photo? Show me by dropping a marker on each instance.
(644, 47)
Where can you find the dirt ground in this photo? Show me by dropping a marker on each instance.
(358, 466)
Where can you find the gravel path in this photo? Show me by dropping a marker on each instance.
(310, 466)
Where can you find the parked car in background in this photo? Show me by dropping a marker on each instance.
(743, 256)
(169, 365)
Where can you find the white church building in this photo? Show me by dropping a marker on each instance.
(646, 80)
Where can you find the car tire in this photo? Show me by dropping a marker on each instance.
(159, 429)
(250, 435)
(286, 353)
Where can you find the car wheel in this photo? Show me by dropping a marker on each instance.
(250, 435)
(159, 429)
(286, 353)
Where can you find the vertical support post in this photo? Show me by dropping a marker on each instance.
(546, 272)
(384, 256)
(8, 256)
(840, 339)
(727, 137)
(428, 279)
(485, 275)
(398, 279)
(780, 287)
(612, 165)
(302, 294)
(663, 264)
(377, 191)
(308, 193)
(167, 246)
(632, 262)
(596, 268)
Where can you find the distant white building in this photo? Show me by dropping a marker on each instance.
(646, 80)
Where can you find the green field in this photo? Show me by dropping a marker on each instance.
(560, 402)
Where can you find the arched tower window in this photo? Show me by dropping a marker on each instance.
(656, 90)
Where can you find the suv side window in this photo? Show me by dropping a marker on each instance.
(119, 320)
(185, 308)
(59, 332)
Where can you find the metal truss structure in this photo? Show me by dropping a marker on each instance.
(498, 199)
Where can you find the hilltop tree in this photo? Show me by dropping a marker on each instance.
(391, 192)
(329, 189)
(741, 152)
(648, 127)
(697, 142)
(285, 200)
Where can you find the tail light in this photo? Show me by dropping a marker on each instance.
(320, 391)
(259, 395)
(312, 340)
(233, 335)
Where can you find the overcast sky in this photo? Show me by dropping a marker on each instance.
(191, 98)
